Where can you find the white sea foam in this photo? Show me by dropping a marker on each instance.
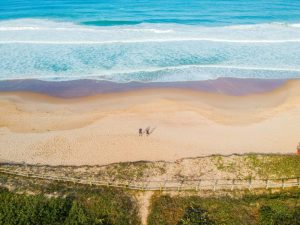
(145, 41)
(44, 31)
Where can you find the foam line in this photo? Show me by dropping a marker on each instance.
(200, 66)
(147, 41)
(109, 74)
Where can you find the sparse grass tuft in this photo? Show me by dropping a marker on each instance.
(274, 166)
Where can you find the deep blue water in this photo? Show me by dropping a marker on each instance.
(158, 40)
(120, 12)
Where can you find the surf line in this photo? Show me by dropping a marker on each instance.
(58, 42)
(111, 73)
(157, 69)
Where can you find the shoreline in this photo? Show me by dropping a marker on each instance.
(85, 87)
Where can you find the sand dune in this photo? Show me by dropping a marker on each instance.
(103, 129)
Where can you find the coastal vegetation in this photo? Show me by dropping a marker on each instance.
(255, 166)
(36, 202)
(102, 207)
(265, 209)
(30, 200)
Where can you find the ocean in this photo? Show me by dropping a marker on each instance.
(149, 41)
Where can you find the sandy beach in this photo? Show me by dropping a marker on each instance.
(103, 128)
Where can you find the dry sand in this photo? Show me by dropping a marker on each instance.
(103, 129)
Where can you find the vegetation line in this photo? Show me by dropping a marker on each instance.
(173, 185)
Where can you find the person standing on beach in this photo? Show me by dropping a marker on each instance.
(140, 132)
(148, 131)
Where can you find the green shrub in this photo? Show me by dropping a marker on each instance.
(102, 208)
(195, 216)
(280, 208)
(279, 216)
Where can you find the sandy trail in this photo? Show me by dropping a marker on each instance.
(103, 129)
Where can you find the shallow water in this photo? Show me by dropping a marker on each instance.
(163, 41)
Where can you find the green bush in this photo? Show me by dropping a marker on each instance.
(279, 216)
(280, 208)
(83, 209)
(21, 209)
(195, 216)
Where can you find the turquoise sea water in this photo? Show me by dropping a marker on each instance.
(166, 40)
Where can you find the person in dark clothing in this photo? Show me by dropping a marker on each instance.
(140, 132)
(147, 131)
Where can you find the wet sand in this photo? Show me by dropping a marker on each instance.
(63, 124)
(81, 88)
